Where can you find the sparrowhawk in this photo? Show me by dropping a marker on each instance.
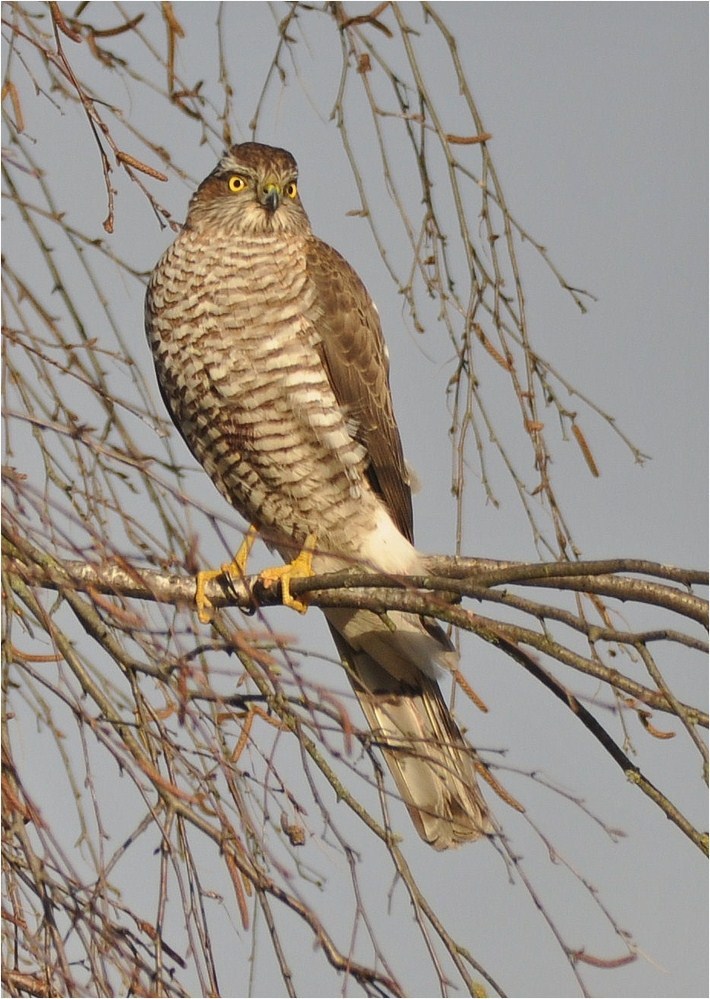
(272, 364)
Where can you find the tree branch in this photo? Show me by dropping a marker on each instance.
(455, 578)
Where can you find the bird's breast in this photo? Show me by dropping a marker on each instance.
(233, 332)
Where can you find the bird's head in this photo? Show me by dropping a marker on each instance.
(253, 189)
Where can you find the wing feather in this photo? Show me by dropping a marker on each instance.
(355, 358)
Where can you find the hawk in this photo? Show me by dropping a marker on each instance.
(271, 361)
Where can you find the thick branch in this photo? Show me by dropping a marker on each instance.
(454, 576)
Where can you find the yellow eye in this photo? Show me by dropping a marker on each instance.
(291, 190)
(236, 183)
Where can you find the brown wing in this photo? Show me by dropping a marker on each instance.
(355, 358)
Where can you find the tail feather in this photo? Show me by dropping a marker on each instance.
(392, 671)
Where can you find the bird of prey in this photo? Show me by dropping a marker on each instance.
(271, 361)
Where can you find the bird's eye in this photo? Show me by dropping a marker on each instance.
(237, 183)
(291, 190)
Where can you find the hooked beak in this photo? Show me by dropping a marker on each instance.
(271, 196)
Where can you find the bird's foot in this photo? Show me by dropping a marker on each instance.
(301, 567)
(235, 569)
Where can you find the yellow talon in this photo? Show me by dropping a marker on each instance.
(236, 568)
(205, 607)
(300, 567)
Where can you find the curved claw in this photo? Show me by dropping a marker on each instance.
(205, 607)
(236, 568)
(301, 567)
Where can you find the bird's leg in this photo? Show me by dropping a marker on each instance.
(300, 567)
(236, 568)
